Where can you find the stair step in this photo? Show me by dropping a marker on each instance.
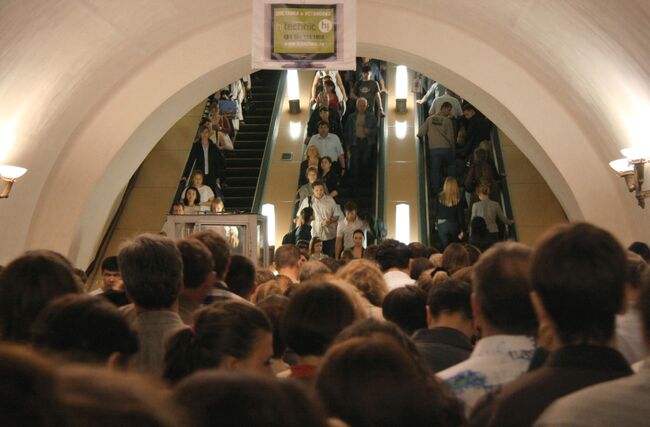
(244, 162)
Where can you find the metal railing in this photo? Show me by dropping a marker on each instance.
(506, 203)
(423, 177)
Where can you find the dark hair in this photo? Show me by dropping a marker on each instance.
(502, 288)
(406, 306)
(239, 399)
(84, 328)
(204, 127)
(197, 262)
(635, 266)
(332, 264)
(578, 271)
(27, 285)
(328, 158)
(358, 231)
(317, 183)
(324, 108)
(419, 250)
(323, 123)
(307, 214)
(274, 307)
(219, 248)
(91, 396)
(241, 276)
(316, 313)
(186, 202)
(226, 329)
(329, 83)
(641, 249)
(468, 107)
(27, 389)
(452, 296)
(286, 256)
(110, 264)
(152, 269)
(418, 265)
(366, 69)
(393, 254)
(455, 257)
(349, 206)
(374, 382)
(445, 104)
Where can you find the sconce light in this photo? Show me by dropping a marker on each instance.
(632, 170)
(401, 88)
(9, 175)
(293, 91)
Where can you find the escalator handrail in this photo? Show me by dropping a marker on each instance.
(506, 202)
(269, 147)
(423, 176)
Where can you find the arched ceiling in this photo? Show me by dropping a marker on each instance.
(88, 87)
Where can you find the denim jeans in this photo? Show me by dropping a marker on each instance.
(438, 156)
(448, 232)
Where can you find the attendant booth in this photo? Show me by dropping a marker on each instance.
(246, 233)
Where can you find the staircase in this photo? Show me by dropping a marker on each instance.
(244, 162)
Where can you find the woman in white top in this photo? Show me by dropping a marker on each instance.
(325, 216)
(205, 192)
(192, 201)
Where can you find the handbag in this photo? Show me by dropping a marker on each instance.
(225, 142)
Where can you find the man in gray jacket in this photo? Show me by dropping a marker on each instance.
(440, 133)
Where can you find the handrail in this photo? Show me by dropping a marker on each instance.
(380, 189)
(103, 245)
(506, 203)
(269, 148)
(423, 175)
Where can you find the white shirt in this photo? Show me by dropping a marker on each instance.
(329, 146)
(629, 335)
(436, 105)
(495, 361)
(397, 279)
(346, 230)
(324, 208)
(206, 162)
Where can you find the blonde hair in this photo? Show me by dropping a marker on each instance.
(312, 148)
(450, 194)
(367, 278)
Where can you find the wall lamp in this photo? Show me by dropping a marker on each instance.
(293, 91)
(9, 175)
(631, 168)
(401, 88)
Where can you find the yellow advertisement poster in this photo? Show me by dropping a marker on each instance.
(301, 30)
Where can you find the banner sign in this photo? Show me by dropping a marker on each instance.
(320, 34)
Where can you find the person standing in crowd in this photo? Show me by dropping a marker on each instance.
(205, 156)
(368, 89)
(360, 140)
(629, 333)
(476, 127)
(152, 269)
(394, 259)
(205, 192)
(325, 217)
(489, 210)
(450, 213)
(577, 274)
(504, 316)
(198, 277)
(329, 177)
(329, 145)
(450, 326)
(440, 133)
(288, 262)
(323, 113)
(345, 229)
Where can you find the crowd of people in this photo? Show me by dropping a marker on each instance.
(204, 174)
(464, 182)
(184, 333)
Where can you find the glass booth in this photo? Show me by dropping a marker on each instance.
(246, 233)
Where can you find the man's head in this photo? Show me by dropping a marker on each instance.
(198, 266)
(287, 257)
(577, 274)
(393, 254)
(501, 298)
(111, 274)
(319, 188)
(445, 109)
(450, 300)
(241, 276)
(218, 247)
(152, 270)
(350, 210)
(323, 128)
(365, 72)
(469, 111)
(324, 113)
(307, 215)
(641, 249)
(362, 105)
